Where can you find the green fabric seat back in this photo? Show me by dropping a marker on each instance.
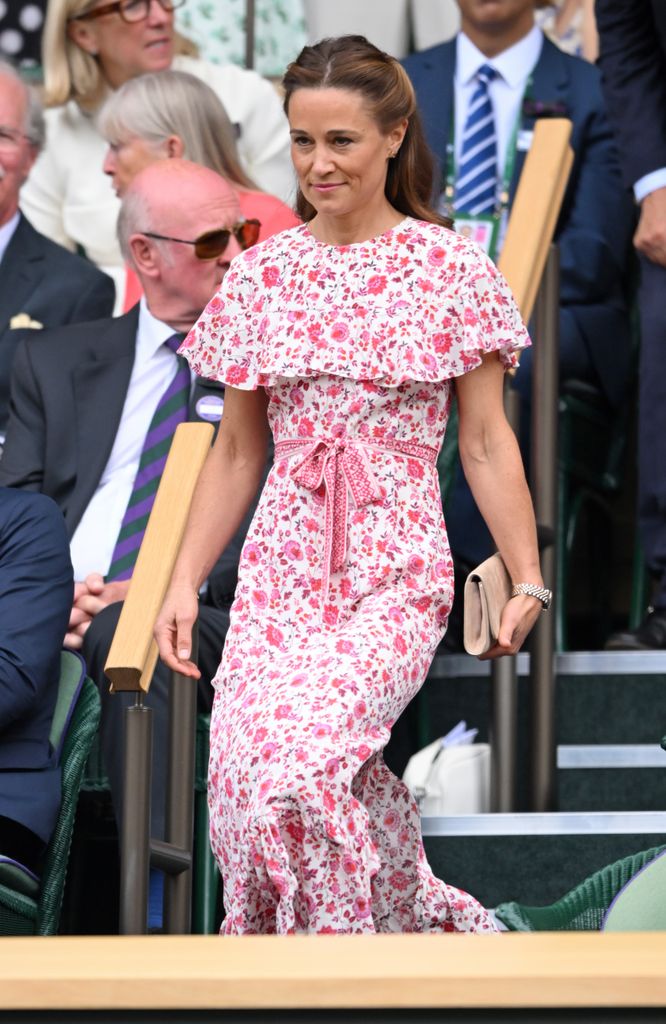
(640, 905)
(72, 674)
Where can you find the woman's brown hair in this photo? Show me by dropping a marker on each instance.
(354, 64)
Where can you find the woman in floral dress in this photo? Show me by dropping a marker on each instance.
(347, 336)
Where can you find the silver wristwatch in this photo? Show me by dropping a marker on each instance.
(541, 593)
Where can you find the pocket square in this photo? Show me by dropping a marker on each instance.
(20, 320)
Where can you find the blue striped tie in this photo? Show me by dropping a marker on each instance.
(476, 185)
(171, 410)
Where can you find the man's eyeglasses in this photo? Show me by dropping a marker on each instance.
(129, 10)
(212, 244)
(10, 139)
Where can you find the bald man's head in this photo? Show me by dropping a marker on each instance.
(169, 195)
(179, 201)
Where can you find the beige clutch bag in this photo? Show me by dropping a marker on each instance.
(487, 590)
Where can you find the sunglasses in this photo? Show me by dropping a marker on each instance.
(212, 244)
(129, 10)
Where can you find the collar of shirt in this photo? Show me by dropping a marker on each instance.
(151, 334)
(6, 232)
(513, 65)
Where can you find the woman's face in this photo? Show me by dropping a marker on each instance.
(124, 160)
(125, 49)
(339, 153)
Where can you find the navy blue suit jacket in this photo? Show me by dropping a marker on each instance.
(633, 64)
(596, 222)
(51, 285)
(36, 591)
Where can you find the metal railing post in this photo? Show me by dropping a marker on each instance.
(180, 797)
(250, 32)
(504, 695)
(544, 479)
(135, 827)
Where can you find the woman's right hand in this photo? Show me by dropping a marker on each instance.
(173, 629)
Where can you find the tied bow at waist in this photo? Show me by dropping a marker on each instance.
(343, 468)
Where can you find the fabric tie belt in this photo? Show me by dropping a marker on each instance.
(342, 466)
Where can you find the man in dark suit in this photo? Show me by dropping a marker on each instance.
(35, 600)
(633, 63)
(83, 401)
(41, 284)
(533, 78)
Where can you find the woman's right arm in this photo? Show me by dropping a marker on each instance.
(225, 489)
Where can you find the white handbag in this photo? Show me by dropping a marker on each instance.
(451, 775)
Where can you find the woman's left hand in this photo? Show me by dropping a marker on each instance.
(519, 615)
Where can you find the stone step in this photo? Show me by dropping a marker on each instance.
(610, 716)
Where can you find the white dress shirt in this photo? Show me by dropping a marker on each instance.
(649, 183)
(154, 367)
(506, 91)
(6, 232)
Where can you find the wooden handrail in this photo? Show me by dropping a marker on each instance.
(133, 654)
(535, 210)
(328, 972)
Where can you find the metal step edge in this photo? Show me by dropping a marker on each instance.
(610, 755)
(565, 823)
(571, 663)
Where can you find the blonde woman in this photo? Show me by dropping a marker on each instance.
(89, 50)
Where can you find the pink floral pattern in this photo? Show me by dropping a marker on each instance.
(345, 580)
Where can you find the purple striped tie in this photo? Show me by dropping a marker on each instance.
(171, 410)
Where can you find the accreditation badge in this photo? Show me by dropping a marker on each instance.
(482, 229)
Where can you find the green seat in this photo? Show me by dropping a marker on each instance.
(640, 905)
(584, 907)
(31, 905)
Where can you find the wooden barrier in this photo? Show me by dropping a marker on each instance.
(535, 210)
(580, 969)
(133, 653)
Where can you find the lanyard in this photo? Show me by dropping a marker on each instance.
(509, 165)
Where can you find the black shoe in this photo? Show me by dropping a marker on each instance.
(649, 636)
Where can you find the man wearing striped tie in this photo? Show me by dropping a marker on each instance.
(93, 411)
(479, 95)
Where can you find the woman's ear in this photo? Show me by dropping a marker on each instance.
(396, 136)
(84, 36)
(175, 147)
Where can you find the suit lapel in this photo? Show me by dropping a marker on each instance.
(433, 73)
(100, 386)
(20, 273)
(550, 84)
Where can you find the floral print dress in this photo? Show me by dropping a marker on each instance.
(345, 579)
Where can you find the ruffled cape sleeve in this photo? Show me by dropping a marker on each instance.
(430, 317)
(484, 318)
(223, 343)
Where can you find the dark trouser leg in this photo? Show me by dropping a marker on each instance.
(652, 424)
(213, 625)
